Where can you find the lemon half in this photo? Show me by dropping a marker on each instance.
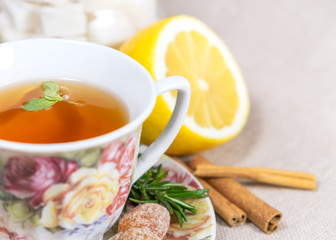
(219, 106)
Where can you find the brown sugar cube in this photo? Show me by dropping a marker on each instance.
(135, 234)
(149, 215)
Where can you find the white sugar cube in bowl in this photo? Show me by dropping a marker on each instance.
(108, 22)
(64, 20)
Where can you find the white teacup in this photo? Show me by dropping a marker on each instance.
(77, 190)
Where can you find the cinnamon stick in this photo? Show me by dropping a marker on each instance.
(271, 176)
(260, 213)
(230, 213)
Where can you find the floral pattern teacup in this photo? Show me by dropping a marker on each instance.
(77, 190)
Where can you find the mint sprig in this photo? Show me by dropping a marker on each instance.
(51, 91)
(151, 189)
(50, 97)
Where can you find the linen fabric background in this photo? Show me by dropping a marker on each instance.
(287, 53)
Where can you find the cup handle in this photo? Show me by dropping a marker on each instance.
(153, 153)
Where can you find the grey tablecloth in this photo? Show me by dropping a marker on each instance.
(287, 52)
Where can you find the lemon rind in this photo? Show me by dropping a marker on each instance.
(167, 35)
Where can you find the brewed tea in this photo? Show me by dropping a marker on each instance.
(98, 113)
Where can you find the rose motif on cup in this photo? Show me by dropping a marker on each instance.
(61, 194)
(82, 200)
(121, 155)
(29, 177)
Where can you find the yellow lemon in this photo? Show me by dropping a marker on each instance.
(219, 106)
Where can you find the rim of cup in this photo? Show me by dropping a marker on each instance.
(131, 126)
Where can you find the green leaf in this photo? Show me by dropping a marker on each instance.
(160, 176)
(4, 196)
(38, 104)
(165, 203)
(90, 157)
(51, 91)
(158, 184)
(178, 209)
(175, 185)
(187, 194)
(143, 191)
(159, 172)
(142, 202)
(147, 176)
(180, 218)
(55, 98)
(185, 205)
(134, 194)
(156, 188)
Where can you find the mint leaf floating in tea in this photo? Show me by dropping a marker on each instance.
(51, 91)
(51, 96)
(151, 189)
(38, 104)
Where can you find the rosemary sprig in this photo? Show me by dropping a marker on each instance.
(151, 189)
